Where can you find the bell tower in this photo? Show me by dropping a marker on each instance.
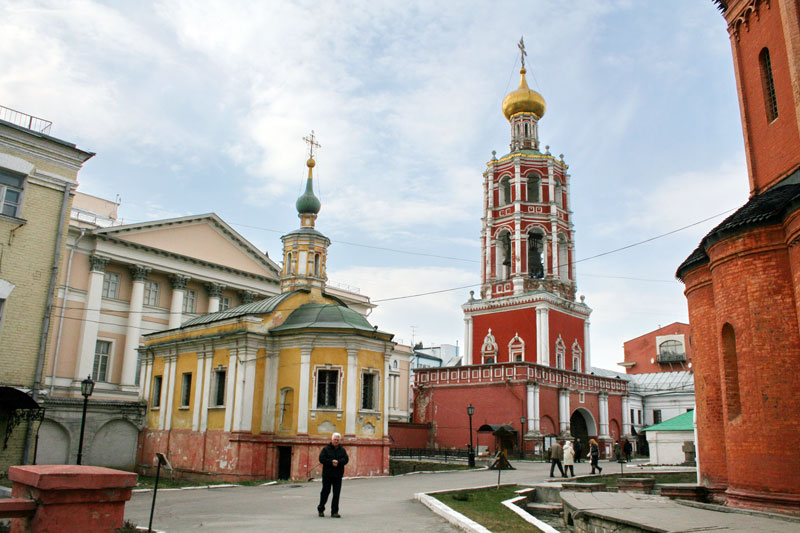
(305, 250)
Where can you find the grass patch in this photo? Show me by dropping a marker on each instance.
(660, 477)
(485, 507)
(397, 467)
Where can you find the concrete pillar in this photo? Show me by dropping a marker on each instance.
(133, 331)
(351, 406)
(176, 306)
(214, 296)
(302, 394)
(91, 319)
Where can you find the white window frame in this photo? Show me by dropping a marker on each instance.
(189, 301)
(340, 371)
(516, 348)
(110, 343)
(111, 281)
(215, 388)
(155, 396)
(376, 391)
(188, 397)
(5, 178)
(561, 350)
(152, 292)
(224, 303)
(577, 355)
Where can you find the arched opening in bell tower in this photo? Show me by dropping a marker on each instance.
(505, 191)
(503, 254)
(535, 253)
(533, 189)
(563, 258)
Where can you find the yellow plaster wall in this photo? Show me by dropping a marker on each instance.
(258, 390)
(152, 414)
(334, 357)
(371, 360)
(289, 376)
(182, 417)
(216, 415)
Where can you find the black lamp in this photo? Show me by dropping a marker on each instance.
(87, 388)
(522, 420)
(470, 412)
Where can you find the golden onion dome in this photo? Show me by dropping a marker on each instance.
(523, 100)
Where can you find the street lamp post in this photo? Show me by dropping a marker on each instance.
(470, 412)
(522, 420)
(87, 387)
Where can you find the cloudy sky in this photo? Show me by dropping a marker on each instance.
(196, 107)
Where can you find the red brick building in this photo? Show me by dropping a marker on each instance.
(527, 360)
(666, 349)
(743, 281)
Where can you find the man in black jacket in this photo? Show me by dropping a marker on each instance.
(333, 458)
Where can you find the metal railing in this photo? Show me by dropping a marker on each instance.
(671, 357)
(26, 121)
(430, 453)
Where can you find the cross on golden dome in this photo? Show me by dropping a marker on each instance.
(522, 51)
(312, 142)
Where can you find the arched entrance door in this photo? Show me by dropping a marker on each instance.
(582, 426)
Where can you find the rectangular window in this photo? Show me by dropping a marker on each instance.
(111, 285)
(186, 389)
(151, 293)
(189, 301)
(632, 416)
(218, 388)
(369, 391)
(656, 416)
(10, 193)
(102, 349)
(224, 303)
(155, 398)
(137, 377)
(327, 388)
(639, 416)
(582, 397)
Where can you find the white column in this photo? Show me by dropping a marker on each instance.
(302, 395)
(198, 380)
(270, 392)
(176, 307)
(468, 340)
(626, 416)
(533, 407)
(554, 240)
(91, 319)
(206, 390)
(587, 351)
(145, 377)
(133, 330)
(214, 295)
(246, 391)
(567, 410)
(230, 390)
(544, 333)
(386, 364)
(563, 408)
(351, 405)
(603, 415)
(167, 391)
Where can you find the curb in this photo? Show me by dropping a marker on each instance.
(198, 487)
(454, 517)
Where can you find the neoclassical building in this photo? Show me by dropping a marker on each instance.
(527, 361)
(255, 391)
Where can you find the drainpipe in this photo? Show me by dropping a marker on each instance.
(37, 378)
(63, 310)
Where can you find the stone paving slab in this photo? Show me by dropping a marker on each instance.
(664, 515)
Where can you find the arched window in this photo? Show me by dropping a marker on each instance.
(526, 131)
(768, 85)
(561, 348)
(563, 257)
(489, 348)
(505, 191)
(535, 258)
(503, 255)
(559, 196)
(533, 189)
(289, 269)
(577, 356)
(516, 349)
(316, 265)
(730, 364)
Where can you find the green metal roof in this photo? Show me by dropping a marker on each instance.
(324, 316)
(684, 422)
(308, 203)
(259, 307)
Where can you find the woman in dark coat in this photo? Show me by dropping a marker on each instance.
(594, 455)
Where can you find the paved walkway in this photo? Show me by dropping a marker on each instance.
(374, 504)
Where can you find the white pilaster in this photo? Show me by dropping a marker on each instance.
(587, 352)
(468, 340)
(168, 383)
(206, 391)
(545, 335)
(162, 402)
(351, 406)
(270, 392)
(247, 383)
(91, 319)
(554, 241)
(626, 416)
(604, 415)
(302, 396)
(230, 391)
(386, 364)
(198, 380)
(533, 407)
(133, 330)
(145, 378)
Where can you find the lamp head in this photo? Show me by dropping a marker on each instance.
(470, 410)
(87, 387)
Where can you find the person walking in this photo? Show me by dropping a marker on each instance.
(569, 460)
(617, 451)
(333, 457)
(627, 449)
(578, 450)
(594, 455)
(556, 455)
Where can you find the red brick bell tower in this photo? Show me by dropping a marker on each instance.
(743, 281)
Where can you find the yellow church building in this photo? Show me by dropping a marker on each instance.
(255, 391)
